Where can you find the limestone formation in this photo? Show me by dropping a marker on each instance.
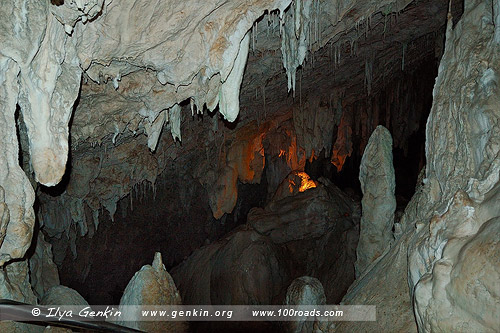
(451, 223)
(18, 195)
(385, 287)
(152, 285)
(378, 184)
(305, 290)
(4, 215)
(453, 282)
(15, 285)
(310, 214)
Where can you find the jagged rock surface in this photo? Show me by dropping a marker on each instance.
(378, 184)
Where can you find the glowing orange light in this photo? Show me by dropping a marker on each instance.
(306, 183)
(282, 152)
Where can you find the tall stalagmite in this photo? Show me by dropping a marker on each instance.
(378, 184)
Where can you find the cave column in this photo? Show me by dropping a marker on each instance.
(376, 174)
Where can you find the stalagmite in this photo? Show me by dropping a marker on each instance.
(378, 184)
(141, 61)
(151, 285)
(305, 290)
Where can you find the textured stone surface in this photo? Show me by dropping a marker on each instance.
(451, 264)
(384, 285)
(148, 64)
(43, 271)
(378, 184)
(306, 215)
(17, 194)
(15, 285)
(152, 285)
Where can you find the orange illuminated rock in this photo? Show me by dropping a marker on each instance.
(306, 182)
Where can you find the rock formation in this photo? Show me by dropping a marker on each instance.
(452, 264)
(378, 184)
(305, 290)
(15, 285)
(311, 232)
(451, 218)
(152, 285)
